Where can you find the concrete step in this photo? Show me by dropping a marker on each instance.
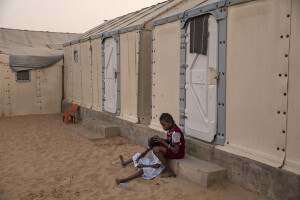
(100, 127)
(198, 171)
(85, 133)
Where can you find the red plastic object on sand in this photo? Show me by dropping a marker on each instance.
(70, 113)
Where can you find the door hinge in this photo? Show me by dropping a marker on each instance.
(116, 75)
(184, 66)
(184, 35)
(184, 116)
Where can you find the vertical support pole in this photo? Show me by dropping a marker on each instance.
(151, 83)
(182, 92)
(7, 99)
(117, 39)
(221, 84)
(138, 76)
(103, 72)
(71, 75)
(38, 91)
(91, 82)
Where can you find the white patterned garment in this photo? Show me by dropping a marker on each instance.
(149, 172)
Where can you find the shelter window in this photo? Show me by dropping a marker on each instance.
(76, 56)
(23, 76)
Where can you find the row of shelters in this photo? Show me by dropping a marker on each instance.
(226, 71)
(31, 71)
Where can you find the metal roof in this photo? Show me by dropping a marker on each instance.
(128, 21)
(179, 12)
(189, 4)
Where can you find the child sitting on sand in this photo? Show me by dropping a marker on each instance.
(148, 167)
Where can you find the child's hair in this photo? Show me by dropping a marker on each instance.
(152, 143)
(167, 118)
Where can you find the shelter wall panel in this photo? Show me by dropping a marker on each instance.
(292, 160)
(23, 95)
(144, 90)
(68, 64)
(255, 104)
(165, 72)
(2, 90)
(97, 74)
(77, 76)
(129, 75)
(86, 67)
(7, 95)
(51, 89)
(3, 83)
(4, 58)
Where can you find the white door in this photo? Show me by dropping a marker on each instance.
(110, 75)
(201, 88)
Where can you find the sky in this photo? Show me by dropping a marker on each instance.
(73, 16)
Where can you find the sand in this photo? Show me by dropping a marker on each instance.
(41, 158)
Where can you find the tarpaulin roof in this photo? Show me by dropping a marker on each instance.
(33, 49)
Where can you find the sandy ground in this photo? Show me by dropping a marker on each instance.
(41, 158)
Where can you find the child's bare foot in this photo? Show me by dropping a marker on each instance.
(122, 161)
(118, 181)
(168, 173)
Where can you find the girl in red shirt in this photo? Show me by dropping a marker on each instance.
(171, 148)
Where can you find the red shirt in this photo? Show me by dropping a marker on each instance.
(176, 137)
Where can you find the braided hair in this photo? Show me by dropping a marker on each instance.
(167, 118)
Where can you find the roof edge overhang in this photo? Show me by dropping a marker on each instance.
(180, 16)
(197, 11)
(105, 34)
(189, 13)
(234, 2)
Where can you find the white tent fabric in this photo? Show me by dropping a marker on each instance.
(32, 49)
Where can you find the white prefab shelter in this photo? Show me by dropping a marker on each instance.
(113, 70)
(31, 68)
(244, 89)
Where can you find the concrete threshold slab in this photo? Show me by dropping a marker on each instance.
(100, 127)
(198, 171)
(87, 134)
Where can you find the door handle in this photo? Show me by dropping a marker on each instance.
(218, 76)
